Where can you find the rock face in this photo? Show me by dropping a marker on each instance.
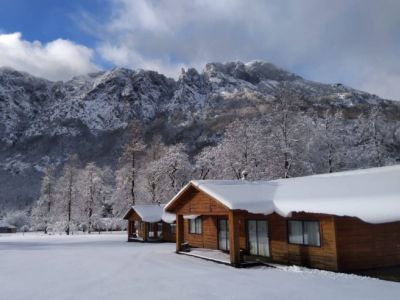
(43, 121)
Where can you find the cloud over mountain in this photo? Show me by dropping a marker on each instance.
(57, 60)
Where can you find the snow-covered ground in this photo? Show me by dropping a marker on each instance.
(106, 267)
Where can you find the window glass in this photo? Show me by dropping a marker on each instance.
(160, 230)
(195, 225)
(311, 233)
(223, 234)
(173, 228)
(252, 235)
(151, 230)
(304, 233)
(198, 225)
(262, 234)
(192, 225)
(296, 232)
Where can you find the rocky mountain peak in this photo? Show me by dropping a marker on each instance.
(42, 121)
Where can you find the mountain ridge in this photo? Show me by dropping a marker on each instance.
(41, 121)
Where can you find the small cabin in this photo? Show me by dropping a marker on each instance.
(149, 223)
(7, 228)
(344, 221)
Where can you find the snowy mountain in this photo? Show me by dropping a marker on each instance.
(43, 121)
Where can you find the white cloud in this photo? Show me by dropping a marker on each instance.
(57, 60)
(323, 40)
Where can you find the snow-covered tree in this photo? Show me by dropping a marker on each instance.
(126, 175)
(42, 211)
(205, 163)
(288, 130)
(93, 187)
(19, 219)
(374, 135)
(175, 164)
(328, 142)
(66, 195)
(242, 150)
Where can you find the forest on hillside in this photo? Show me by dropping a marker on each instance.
(287, 142)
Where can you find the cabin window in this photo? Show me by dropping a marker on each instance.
(160, 230)
(152, 230)
(257, 237)
(173, 228)
(304, 233)
(195, 225)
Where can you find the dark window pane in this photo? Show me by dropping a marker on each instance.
(295, 232)
(311, 233)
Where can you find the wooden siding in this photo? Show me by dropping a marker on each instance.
(133, 216)
(364, 246)
(346, 243)
(167, 234)
(195, 202)
(323, 257)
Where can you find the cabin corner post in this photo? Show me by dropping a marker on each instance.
(179, 232)
(234, 238)
(129, 229)
(146, 231)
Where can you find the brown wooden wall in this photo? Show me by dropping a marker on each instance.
(167, 234)
(364, 246)
(196, 202)
(208, 238)
(346, 243)
(133, 216)
(199, 203)
(323, 257)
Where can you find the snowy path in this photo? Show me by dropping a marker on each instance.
(106, 267)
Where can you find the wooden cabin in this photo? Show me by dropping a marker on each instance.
(149, 223)
(345, 221)
(7, 228)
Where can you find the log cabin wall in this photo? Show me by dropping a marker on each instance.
(133, 216)
(323, 257)
(208, 238)
(198, 203)
(167, 234)
(364, 246)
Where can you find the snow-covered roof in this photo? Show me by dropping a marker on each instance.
(152, 213)
(5, 224)
(373, 195)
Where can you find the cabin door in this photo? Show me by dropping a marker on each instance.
(223, 234)
(257, 237)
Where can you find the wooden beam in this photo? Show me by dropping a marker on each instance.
(146, 231)
(234, 238)
(179, 232)
(129, 229)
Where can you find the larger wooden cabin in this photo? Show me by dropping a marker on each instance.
(344, 221)
(149, 223)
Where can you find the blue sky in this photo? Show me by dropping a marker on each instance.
(47, 20)
(356, 42)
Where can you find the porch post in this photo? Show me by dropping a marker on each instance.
(234, 238)
(129, 229)
(179, 232)
(146, 231)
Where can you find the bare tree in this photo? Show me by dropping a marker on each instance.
(129, 156)
(41, 212)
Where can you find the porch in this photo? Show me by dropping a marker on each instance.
(224, 238)
(139, 231)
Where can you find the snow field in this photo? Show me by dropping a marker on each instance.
(105, 266)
